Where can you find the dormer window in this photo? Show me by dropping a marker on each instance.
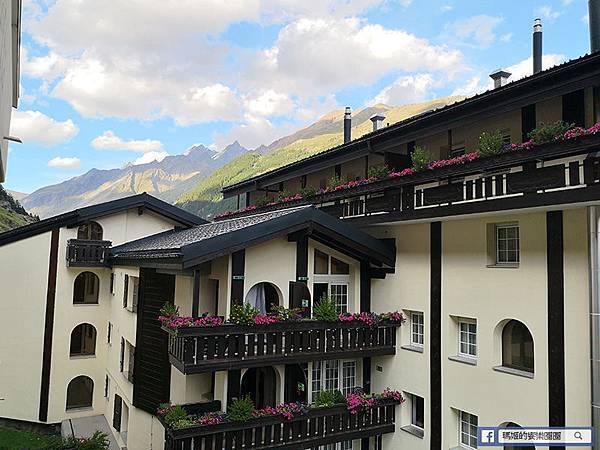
(91, 231)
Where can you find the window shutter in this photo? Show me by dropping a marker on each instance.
(136, 285)
(130, 364)
(117, 413)
(112, 283)
(106, 382)
(109, 333)
(122, 356)
(125, 290)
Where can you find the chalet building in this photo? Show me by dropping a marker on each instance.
(10, 41)
(491, 256)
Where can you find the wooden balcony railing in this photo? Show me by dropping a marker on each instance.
(227, 347)
(554, 173)
(317, 427)
(84, 253)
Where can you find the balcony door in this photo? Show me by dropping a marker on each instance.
(296, 383)
(260, 384)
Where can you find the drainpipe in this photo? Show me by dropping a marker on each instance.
(594, 230)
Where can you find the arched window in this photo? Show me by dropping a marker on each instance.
(510, 447)
(260, 384)
(91, 231)
(83, 340)
(80, 392)
(517, 346)
(86, 288)
(263, 296)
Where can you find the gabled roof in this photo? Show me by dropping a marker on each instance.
(571, 75)
(203, 243)
(85, 214)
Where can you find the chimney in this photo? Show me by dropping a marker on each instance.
(500, 78)
(347, 125)
(594, 10)
(377, 120)
(537, 46)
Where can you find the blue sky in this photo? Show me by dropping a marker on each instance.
(101, 89)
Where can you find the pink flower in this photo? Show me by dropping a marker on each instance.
(394, 395)
(263, 319)
(212, 418)
(404, 172)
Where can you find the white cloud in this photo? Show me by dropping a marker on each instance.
(110, 141)
(34, 126)
(269, 103)
(446, 8)
(546, 12)
(65, 163)
(585, 19)
(480, 83)
(407, 89)
(476, 31)
(567, 2)
(148, 157)
(506, 37)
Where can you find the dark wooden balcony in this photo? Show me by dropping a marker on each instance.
(86, 253)
(560, 172)
(316, 428)
(227, 347)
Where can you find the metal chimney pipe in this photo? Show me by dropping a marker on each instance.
(594, 10)
(347, 125)
(500, 78)
(537, 46)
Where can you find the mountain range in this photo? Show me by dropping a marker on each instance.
(193, 179)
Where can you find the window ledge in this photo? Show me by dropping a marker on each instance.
(502, 266)
(82, 356)
(80, 409)
(463, 359)
(460, 447)
(86, 304)
(412, 348)
(415, 431)
(511, 371)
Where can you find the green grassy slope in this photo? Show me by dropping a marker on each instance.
(205, 198)
(12, 214)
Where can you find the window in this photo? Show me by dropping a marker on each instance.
(348, 376)
(332, 376)
(316, 378)
(122, 355)
(467, 338)
(125, 291)
(417, 412)
(339, 293)
(106, 386)
(132, 302)
(109, 334)
(339, 267)
(321, 263)
(86, 288)
(130, 361)
(507, 244)
(91, 231)
(467, 430)
(517, 346)
(83, 340)
(80, 392)
(417, 329)
(112, 283)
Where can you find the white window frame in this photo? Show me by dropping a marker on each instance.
(497, 239)
(334, 374)
(468, 323)
(413, 406)
(342, 306)
(466, 418)
(420, 329)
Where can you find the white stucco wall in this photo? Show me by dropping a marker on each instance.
(6, 79)
(24, 281)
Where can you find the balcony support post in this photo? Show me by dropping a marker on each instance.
(196, 294)
(238, 269)
(365, 306)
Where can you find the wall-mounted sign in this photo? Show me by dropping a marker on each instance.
(238, 277)
(302, 278)
(305, 303)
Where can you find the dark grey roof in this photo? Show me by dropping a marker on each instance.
(205, 242)
(85, 214)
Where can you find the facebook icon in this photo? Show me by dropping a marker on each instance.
(487, 436)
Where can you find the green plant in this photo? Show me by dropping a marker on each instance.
(285, 313)
(335, 181)
(243, 314)
(420, 159)
(241, 409)
(97, 441)
(283, 194)
(490, 143)
(175, 414)
(380, 171)
(183, 423)
(327, 399)
(326, 310)
(262, 201)
(169, 310)
(308, 191)
(548, 132)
